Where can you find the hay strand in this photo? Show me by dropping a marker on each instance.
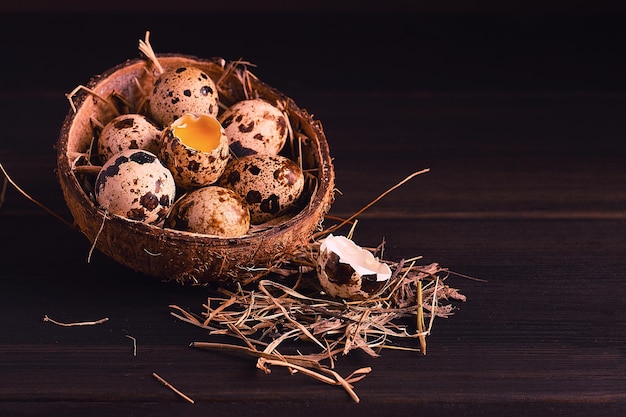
(29, 198)
(70, 96)
(134, 344)
(95, 240)
(270, 315)
(173, 388)
(370, 204)
(3, 190)
(74, 324)
(146, 48)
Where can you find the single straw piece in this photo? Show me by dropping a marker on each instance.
(170, 386)
(32, 200)
(80, 323)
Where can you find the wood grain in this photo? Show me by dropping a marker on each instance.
(525, 191)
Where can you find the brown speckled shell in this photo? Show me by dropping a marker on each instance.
(128, 131)
(210, 210)
(178, 255)
(270, 184)
(182, 89)
(341, 280)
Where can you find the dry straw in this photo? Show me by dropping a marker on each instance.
(173, 388)
(269, 316)
(75, 324)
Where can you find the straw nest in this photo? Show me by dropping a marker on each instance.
(178, 255)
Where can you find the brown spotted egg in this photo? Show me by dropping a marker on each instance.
(128, 131)
(255, 126)
(270, 184)
(135, 184)
(210, 210)
(182, 90)
(195, 149)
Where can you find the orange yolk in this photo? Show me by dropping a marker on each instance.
(201, 133)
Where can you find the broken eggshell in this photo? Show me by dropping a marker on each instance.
(348, 271)
(195, 149)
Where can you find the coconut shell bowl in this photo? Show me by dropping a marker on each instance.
(170, 254)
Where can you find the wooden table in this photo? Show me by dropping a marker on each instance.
(524, 138)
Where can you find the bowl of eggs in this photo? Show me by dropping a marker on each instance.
(192, 169)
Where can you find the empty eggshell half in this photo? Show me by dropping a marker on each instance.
(348, 271)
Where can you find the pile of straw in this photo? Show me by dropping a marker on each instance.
(270, 317)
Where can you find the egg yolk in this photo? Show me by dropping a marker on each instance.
(201, 133)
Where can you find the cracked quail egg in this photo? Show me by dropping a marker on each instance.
(128, 131)
(210, 210)
(270, 184)
(255, 126)
(135, 184)
(348, 271)
(195, 149)
(181, 90)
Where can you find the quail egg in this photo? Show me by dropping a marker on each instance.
(135, 184)
(346, 270)
(255, 126)
(195, 149)
(182, 90)
(210, 210)
(128, 131)
(270, 184)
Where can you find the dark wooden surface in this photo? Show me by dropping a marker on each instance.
(519, 118)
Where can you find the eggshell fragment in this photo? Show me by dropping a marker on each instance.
(195, 150)
(210, 210)
(346, 270)
(269, 184)
(181, 90)
(255, 126)
(135, 184)
(128, 131)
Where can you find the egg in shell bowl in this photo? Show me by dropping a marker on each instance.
(166, 252)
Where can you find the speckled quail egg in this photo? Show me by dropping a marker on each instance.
(182, 90)
(270, 184)
(255, 126)
(346, 270)
(135, 184)
(195, 149)
(128, 131)
(210, 210)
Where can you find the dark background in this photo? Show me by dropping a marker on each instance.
(308, 49)
(329, 45)
(518, 108)
(317, 47)
(438, 55)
